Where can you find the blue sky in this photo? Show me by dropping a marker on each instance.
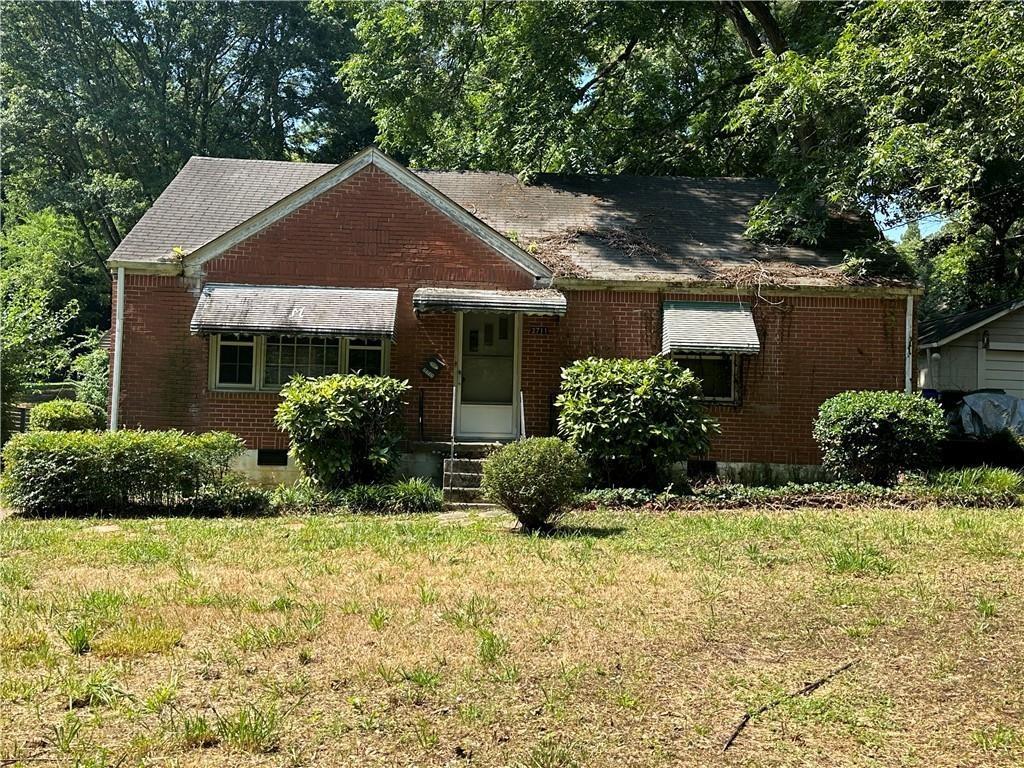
(928, 224)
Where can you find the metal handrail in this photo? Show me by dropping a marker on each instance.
(451, 454)
(522, 416)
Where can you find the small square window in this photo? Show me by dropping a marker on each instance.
(366, 357)
(716, 373)
(235, 361)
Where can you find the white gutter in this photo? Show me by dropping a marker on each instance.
(115, 391)
(908, 363)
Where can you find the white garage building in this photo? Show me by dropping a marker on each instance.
(981, 349)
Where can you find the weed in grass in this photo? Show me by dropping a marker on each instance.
(470, 713)
(15, 575)
(475, 612)
(281, 603)
(262, 638)
(390, 675)
(427, 595)
(97, 688)
(492, 646)
(627, 700)
(65, 732)
(278, 688)
(195, 732)
(987, 611)
(549, 754)
(999, 738)
(102, 605)
(79, 636)
(139, 637)
(252, 728)
(421, 677)
(379, 617)
(506, 673)
(311, 619)
(426, 736)
(306, 656)
(858, 559)
(162, 695)
(21, 634)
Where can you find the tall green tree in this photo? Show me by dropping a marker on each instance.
(918, 108)
(897, 109)
(104, 101)
(572, 85)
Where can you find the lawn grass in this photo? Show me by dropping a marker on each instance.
(628, 639)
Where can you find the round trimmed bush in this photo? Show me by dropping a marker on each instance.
(633, 419)
(65, 416)
(534, 479)
(874, 436)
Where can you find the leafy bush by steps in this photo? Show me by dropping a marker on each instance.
(344, 429)
(632, 419)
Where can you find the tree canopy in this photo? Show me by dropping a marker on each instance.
(896, 109)
(106, 101)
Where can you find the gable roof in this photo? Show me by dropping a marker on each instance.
(183, 211)
(608, 228)
(946, 328)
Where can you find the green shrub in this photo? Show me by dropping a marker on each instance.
(91, 373)
(616, 498)
(305, 497)
(405, 497)
(89, 473)
(344, 429)
(229, 496)
(65, 416)
(873, 436)
(994, 479)
(632, 419)
(535, 479)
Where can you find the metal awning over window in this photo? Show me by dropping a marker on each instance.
(708, 326)
(536, 302)
(296, 310)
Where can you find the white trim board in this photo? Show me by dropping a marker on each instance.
(370, 156)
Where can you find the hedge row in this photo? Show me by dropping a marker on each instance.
(912, 495)
(88, 473)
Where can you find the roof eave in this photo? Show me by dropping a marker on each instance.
(171, 268)
(718, 287)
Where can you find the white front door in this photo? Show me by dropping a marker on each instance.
(488, 380)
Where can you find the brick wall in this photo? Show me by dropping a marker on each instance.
(371, 232)
(811, 348)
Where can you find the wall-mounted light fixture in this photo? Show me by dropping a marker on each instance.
(432, 367)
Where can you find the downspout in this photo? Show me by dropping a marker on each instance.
(115, 390)
(908, 363)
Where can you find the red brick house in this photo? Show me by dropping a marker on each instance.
(478, 289)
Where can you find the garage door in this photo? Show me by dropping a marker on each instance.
(1004, 369)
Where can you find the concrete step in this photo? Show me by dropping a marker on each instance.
(462, 479)
(463, 495)
(469, 466)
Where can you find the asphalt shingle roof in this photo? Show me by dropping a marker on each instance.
(611, 228)
(942, 327)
